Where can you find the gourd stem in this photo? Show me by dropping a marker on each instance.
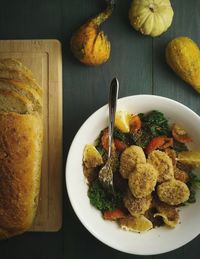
(104, 15)
(152, 7)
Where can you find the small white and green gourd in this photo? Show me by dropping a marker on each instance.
(151, 17)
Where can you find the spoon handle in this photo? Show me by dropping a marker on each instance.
(113, 96)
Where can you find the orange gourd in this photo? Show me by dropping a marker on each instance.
(89, 44)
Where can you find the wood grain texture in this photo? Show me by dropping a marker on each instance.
(44, 59)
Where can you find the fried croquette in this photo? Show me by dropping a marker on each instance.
(162, 162)
(173, 192)
(142, 180)
(170, 211)
(136, 206)
(131, 156)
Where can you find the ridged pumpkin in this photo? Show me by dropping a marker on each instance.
(151, 17)
(90, 45)
(183, 56)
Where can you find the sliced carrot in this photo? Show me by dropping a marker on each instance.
(135, 124)
(159, 142)
(105, 141)
(114, 214)
(180, 134)
(168, 143)
(120, 146)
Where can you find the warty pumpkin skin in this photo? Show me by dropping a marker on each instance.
(90, 45)
(151, 17)
(183, 56)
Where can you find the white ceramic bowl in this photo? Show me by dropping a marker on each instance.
(155, 241)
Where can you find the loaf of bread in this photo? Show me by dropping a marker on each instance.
(21, 140)
(20, 166)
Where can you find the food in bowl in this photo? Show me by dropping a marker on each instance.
(153, 171)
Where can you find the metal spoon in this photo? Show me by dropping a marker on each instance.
(106, 173)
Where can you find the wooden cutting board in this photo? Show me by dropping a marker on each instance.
(44, 58)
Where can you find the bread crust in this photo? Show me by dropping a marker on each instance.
(23, 89)
(20, 76)
(14, 64)
(11, 101)
(20, 168)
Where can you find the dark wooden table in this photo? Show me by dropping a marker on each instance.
(137, 61)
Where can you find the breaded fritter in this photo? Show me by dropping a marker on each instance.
(136, 206)
(162, 162)
(143, 180)
(173, 192)
(168, 210)
(130, 157)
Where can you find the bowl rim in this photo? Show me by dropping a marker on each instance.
(81, 219)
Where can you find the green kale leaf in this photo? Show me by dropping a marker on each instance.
(153, 124)
(102, 200)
